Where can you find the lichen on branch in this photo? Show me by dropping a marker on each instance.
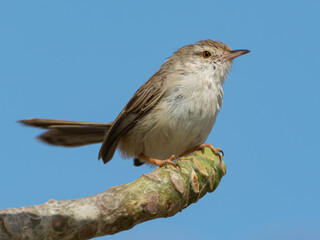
(160, 193)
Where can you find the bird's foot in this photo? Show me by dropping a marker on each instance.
(161, 163)
(217, 151)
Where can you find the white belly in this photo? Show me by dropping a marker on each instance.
(183, 122)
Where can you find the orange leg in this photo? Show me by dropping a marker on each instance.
(159, 162)
(216, 151)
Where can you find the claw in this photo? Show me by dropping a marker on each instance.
(178, 166)
(222, 153)
(168, 161)
(216, 151)
(161, 163)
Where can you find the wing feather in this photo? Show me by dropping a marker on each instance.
(145, 98)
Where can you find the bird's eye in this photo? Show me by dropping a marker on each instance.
(206, 54)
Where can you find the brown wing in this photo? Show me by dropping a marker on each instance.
(145, 98)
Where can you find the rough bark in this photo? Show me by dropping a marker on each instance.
(160, 193)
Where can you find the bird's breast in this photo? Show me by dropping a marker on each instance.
(184, 118)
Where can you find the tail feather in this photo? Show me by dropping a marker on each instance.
(69, 133)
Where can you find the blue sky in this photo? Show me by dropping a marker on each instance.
(83, 60)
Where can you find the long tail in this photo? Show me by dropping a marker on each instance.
(69, 133)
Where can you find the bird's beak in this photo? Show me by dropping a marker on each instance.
(234, 54)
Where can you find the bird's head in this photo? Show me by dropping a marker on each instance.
(205, 57)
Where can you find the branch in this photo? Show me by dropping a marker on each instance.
(160, 193)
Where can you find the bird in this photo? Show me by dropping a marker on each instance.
(169, 116)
